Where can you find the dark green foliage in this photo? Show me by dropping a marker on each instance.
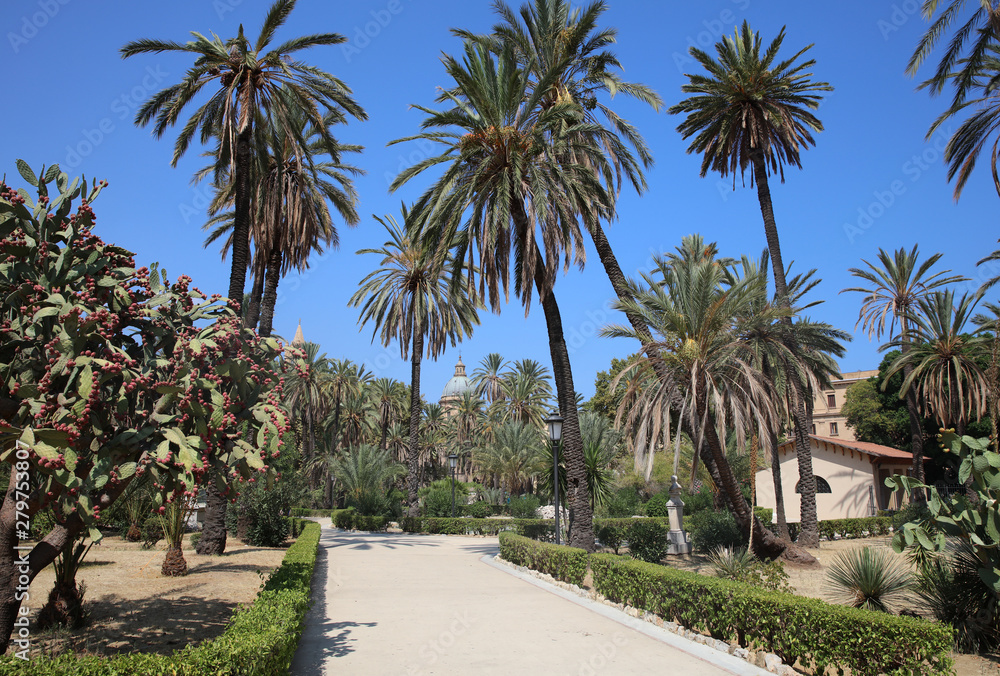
(536, 529)
(563, 563)
(862, 527)
(623, 503)
(479, 509)
(647, 540)
(869, 578)
(438, 502)
(348, 519)
(524, 507)
(657, 505)
(42, 522)
(765, 514)
(710, 530)
(260, 640)
(152, 532)
(792, 627)
(194, 539)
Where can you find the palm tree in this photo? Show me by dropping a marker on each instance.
(751, 111)
(892, 291)
(512, 455)
(366, 474)
(345, 379)
(487, 377)
(291, 219)
(356, 424)
(416, 298)
(698, 312)
(246, 80)
(945, 377)
(505, 190)
(961, 63)
(385, 392)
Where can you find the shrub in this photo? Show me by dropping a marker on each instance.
(561, 562)
(647, 540)
(260, 639)
(795, 628)
(42, 522)
(612, 532)
(264, 508)
(152, 531)
(479, 509)
(740, 565)
(438, 502)
(710, 530)
(657, 505)
(622, 503)
(536, 529)
(868, 578)
(194, 540)
(524, 507)
(765, 514)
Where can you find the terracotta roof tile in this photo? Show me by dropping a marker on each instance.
(876, 450)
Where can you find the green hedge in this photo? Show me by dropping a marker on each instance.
(867, 526)
(794, 628)
(615, 532)
(261, 639)
(568, 564)
(302, 511)
(347, 519)
(536, 529)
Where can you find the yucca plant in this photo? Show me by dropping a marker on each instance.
(732, 563)
(869, 578)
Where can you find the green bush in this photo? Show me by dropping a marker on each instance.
(348, 519)
(741, 565)
(612, 532)
(152, 531)
(302, 511)
(479, 509)
(647, 540)
(438, 503)
(563, 563)
(42, 522)
(765, 514)
(657, 505)
(623, 503)
(524, 507)
(794, 628)
(710, 530)
(195, 537)
(260, 639)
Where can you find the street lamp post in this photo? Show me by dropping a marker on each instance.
(452, 462)
(554, 423)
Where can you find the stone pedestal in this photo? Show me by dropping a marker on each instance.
(678, 539)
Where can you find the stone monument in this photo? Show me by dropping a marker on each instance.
(678, 539)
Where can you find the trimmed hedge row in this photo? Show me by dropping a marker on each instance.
(347, 519)
(794, 628)
(302, 511)
(536, 529)
(568, 564)
(616, 532)
(867, 526)
(261, 639)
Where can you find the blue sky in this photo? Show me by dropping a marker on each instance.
(871, 181)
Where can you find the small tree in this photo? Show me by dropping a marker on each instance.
(110, 375)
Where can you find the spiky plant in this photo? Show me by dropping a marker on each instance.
(869, 578)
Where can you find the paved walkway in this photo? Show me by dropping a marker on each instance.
(407, 605)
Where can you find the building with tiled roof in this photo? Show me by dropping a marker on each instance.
(850, 478)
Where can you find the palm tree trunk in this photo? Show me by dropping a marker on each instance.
(413, 452)
(809, 532)
(256, 291)
(779, 492)
(213, 538)
(916, 423)
(270, 298)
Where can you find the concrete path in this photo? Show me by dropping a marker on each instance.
(407, 605)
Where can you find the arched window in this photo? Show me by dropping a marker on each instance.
(822, 486)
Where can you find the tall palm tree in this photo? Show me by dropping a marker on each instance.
(291, 220)
(357, 418)
(970, 47)
(487, 377)
(385, 392)
(243, 79)
(345, 379)
(698, 312)
(524, 400)
(507, 195)
(945, 377)
(512, 455)
(416, 298)
(892, 290)
(752, 111)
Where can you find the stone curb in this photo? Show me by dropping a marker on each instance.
(720, 654)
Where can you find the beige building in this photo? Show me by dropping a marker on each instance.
(850, 478)
(827, 419)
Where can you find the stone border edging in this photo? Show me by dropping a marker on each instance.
(735, 660)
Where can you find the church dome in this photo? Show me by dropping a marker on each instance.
(459, 383)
